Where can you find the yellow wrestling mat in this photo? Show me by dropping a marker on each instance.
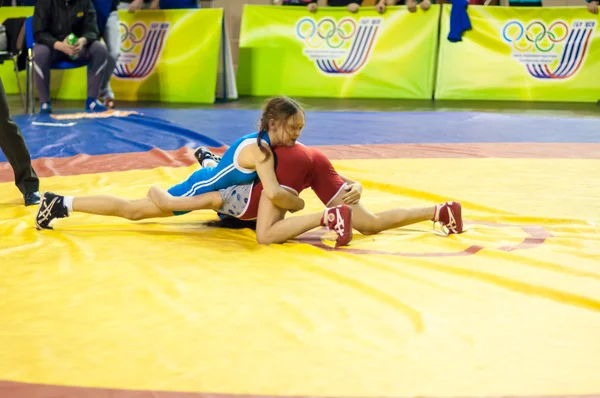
(510, 307)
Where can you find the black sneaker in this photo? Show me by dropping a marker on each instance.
(52, 207)
(203, 153)
(31, 198)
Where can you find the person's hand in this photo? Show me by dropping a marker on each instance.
(380, 6)
(80, 44)
(155, 5)
(65, 48)
(352, 193)
(425, 4)
(411, 5)
(353, 7)
(593, 7)
(135, 5)
(312, 7)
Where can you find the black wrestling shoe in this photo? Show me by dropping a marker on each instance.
(52, 206)
(203, 153)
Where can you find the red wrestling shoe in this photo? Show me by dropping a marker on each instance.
(449, 215)
(339, 219)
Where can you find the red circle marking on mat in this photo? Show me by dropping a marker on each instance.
(536, 236)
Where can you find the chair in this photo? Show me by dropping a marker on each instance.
(9, 56)
(13, 56)
(29, 83)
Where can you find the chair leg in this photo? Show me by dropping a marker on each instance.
(15, 60)
(29, 82)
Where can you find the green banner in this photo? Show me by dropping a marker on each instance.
(168, 56)
(524, 54)
(333, 53)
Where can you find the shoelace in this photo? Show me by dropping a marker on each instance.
(338, 228)
(446, 228)
(46, 210)
(339, 225)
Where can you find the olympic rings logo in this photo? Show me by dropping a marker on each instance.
(134, 35)
(326, 31)
(536, 34)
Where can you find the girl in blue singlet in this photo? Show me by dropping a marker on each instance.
(248, 158)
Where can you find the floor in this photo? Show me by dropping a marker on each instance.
(175, 307)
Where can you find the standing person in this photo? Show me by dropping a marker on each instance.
(351, 5)
(15, 149)
(107, 16)
(411, 4)
(311, 5)
(135, 5)
(177, 4)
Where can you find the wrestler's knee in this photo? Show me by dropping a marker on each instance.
(133, 212)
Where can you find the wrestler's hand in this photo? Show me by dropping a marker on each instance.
(159, 197)
(352, 195)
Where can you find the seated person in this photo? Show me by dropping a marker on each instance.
(53, 21)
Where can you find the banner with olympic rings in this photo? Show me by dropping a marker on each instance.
(336, 54)
(169, 55)
(524, 54)
(166, 55)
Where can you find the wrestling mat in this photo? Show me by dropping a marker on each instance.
(105, 307)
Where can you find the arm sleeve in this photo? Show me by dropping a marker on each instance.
(41, 22)
(90, 24)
